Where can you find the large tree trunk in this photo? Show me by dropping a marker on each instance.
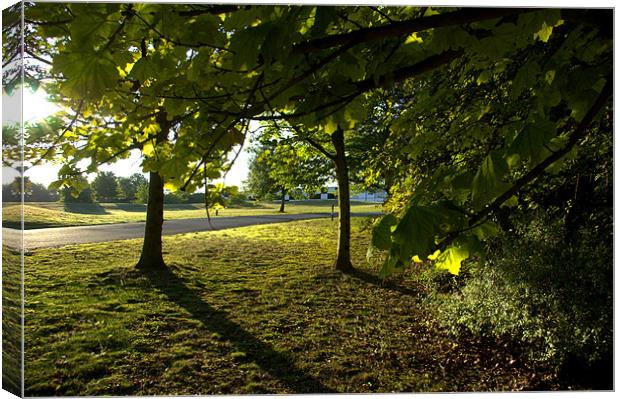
(282, 200)
(343, 257)
(151, 257)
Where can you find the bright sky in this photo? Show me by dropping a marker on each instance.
(37, 107)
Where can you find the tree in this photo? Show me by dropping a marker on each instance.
(105, 186)
(259, 181)
(129, 186)
(80, 192)
(178, 143)
(181, 84)
(504, 125)
(281, 167)
(142, 193)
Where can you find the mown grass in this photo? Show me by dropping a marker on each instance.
(250, 310)
(11, 322)
(57, 214)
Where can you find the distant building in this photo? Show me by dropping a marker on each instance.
(365, 196)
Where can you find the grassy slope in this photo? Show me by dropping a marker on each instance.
(249, 310)
(54, 214)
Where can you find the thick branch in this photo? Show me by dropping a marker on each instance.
(363, 86)
(320, 148)
(419, 68)
(313, 143)
(215, 10)
(460, 17)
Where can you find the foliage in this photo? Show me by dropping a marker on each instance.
(33, 192)
(259, 181)
(494, 103)
(80, 191)
(546, 285)
(479, 132)
(555, 303)
(279, 167)
(105, 186)
(129, 186)
(142, 194)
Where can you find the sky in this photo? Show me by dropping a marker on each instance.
(37, 107)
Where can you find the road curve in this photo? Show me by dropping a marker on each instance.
(60, 236)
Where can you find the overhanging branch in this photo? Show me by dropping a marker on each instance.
(464, 16)
(579, 132)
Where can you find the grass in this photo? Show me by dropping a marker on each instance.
(249, 310)
(57, 214)
(11, 322)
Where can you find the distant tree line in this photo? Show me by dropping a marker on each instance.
(33, 192)
(107, 187)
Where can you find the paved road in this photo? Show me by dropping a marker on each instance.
(59, 236)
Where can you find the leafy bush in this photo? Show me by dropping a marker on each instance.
(550, 296)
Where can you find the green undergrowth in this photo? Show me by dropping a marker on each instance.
(58, 214)
(249, 310)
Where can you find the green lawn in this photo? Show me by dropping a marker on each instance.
(11, 322)
(57, 214)
(250, 310)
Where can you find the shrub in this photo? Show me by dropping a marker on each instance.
(551, 297)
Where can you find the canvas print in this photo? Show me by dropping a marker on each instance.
(204, 198)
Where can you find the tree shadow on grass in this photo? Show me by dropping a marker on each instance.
(89, 209)
(278, 364)
(385, 284)
(130, 207)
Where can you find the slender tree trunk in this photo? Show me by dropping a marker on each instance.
(343, 257)
(283, 200)
(151, 257)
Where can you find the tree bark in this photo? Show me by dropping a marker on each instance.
(151, 257)
(282, 200)
(343, 256)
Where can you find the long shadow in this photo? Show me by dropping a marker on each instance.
(183, 207)
(278, 364)
(89, 209)
(385, 284)
(127, 207)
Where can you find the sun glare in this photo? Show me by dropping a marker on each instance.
(36, 105)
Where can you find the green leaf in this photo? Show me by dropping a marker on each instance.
(92, 25)
(486, 230)
(510, 202)
(484, 77)
(330, 125)
(415, 233)
(392, 264)
(488, 182)
(525, 78)
(451, 259)
(143, 70)
(382, 233)
(545, 32)
(531, 143)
